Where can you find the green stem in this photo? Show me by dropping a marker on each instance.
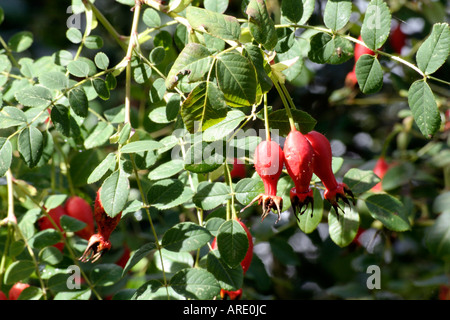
(285, 103)
(152, 227)
(266, 118)
(230, 183)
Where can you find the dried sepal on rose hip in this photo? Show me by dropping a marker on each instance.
(268, 162)
(298, 159)
(99, 242)
(323, 169)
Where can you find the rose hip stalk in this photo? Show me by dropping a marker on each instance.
(322, 168)
(99, 242)
(298, 158)
(268, 161)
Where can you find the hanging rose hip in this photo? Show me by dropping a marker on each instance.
(268, 162)
(99, 242)
(299, 158)
(322, 168)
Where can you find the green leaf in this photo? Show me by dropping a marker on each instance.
(308, 221)
(337, 13)
(232, 242)
(261, 25)
(71, 224)
(151, 18)
(210, 195)
(376, 25)
(168, 193)
(82, 164)
(35, 96)
(218, 25)
(195, 283)
(141, 146)
(107, 164)
(10, 117)
(78, 68)
(93, 42)
(54, 80)
(247, 189)
(101, 88)
(157, 91)
(194, 60)
(424, 108)
(202, 157)
(303, 121)
(204, 107)
(51, 255)
(219, 6)
(369, 74)
(388, 210)
(79, 102)
(328, 49)
(61, 119)
(173, 261)
(5, 155)
(296, 11)
(433, 52)
(343, 228)
(185, 236)
(166, 169)
(237, 79)
(360, 181)
(30, 145)
(437, 237)
(255, 55)
(229, 278)
(114, 193)
(20, 41)
(223, 128)
(398, 176)
(74, 35)
(105, 274)
(99, 136)
(138, 255)
(18, 271)
(45, 238)
(101, 60)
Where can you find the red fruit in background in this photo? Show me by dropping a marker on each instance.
(3, 296)
(444, 292)
(16, 290)
(45, 222)
(350, 79)
(238, 169)
(397, 39)
(360, 50)
(298, 158)
(268, 161)
(99, 242)
(78, 208)
(323, 169)
(381, 166)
